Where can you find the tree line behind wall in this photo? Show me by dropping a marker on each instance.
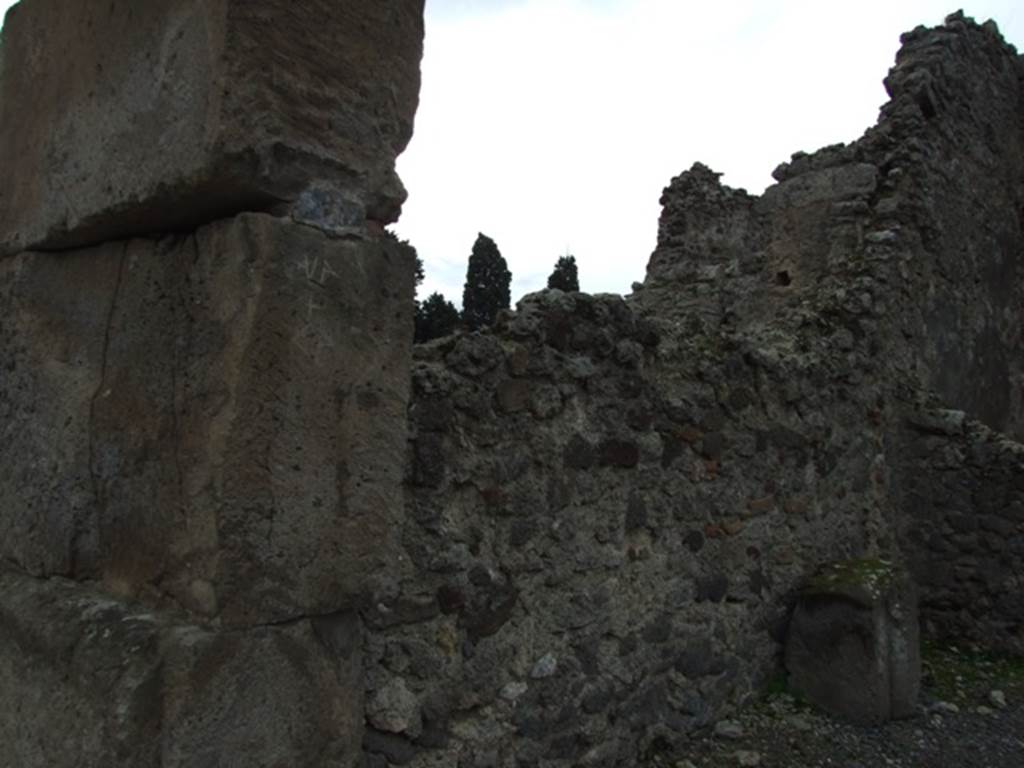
(485, 293)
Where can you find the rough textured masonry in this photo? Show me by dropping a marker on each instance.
(610, 505)
(203, 415)
(614, 502)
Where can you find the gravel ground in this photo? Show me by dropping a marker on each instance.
(971, 715)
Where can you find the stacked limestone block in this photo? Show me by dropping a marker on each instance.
(129, 118)
(203, 401)
(853, 645)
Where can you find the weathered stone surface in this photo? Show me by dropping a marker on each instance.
(90, 682)
(962, 491)
(625, 600)
(742, 417)
(961, 254)
(609, 502)
(210, 419)
(853, 646)
(120, 118)
(202, 432)
(879, 237)
(916, 268)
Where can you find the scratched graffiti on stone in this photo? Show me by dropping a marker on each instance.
(314, 276)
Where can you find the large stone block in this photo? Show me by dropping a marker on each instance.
(120, 118)
(853, 646)
(90, 682)
(216, 420)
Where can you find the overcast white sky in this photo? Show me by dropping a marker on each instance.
(555, 124)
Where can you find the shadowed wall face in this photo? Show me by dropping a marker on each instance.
(608, 503)
(221, 403)
(612, 502)
(204, 397)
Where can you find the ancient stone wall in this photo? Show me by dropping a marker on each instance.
(608, 518)
(209, 555)
(204, 400)
(953, 144)
(908, 245)
(612, 502)
(913, 233)
(963, 529)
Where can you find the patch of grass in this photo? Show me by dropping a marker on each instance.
(777, 685)
(958, 672)
(864, 580)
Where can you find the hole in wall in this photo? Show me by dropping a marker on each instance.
(926, 104)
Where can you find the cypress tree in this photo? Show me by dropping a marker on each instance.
(486, 291)
(565, 277)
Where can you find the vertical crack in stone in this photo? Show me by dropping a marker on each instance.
(180, 303)
(80, 525)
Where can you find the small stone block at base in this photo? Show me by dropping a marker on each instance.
(853, 646)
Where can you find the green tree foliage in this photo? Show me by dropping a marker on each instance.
(424, 318)
(419, 268)
(565, 277)
(435, 317)
(486, 291)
